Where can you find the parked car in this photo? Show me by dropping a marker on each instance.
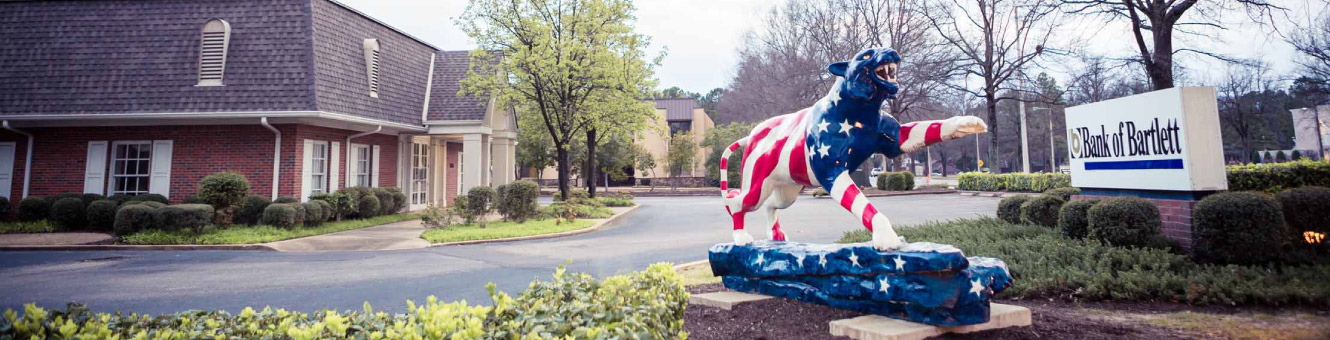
(875, 172)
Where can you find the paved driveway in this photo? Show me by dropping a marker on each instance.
(677, 229)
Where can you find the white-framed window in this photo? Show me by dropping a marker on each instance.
(318, 173)
(360, 165)
(372, 61)
(461, 156)
(212, 52)
(131, 167)
(419, 173)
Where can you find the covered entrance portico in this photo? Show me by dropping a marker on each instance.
(454, 156)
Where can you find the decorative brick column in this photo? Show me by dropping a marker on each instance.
(1175, 215)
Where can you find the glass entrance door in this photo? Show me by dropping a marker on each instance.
(419, 174)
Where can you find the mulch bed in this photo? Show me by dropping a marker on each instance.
(785, 319)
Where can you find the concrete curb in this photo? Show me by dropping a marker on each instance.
(683, 266)
(592, 228)
(129, 247)
(910, 193)
(997, 194)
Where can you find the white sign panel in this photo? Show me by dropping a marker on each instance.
(1162, 140)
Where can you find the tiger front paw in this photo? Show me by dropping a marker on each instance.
(965, 126)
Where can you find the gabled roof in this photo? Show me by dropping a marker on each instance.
(444, 103)
(677, 109)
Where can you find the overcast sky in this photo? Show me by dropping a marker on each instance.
(701, 35)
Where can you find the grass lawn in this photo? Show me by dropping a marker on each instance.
(497, 230)
(256, 234)
(1047, 265)
(42, 226)
(698, 275)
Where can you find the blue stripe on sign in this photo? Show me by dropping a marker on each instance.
(1136, 165)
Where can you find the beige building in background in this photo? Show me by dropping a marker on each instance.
(672, 115)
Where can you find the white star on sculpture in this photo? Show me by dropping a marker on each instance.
(812, 150)
(822, 260)
(822, 127)
(823, 150)
(854, 258)
(845, 127)
(834, 97)
(800, 259)
(900, 264)
(883, 285)
(760, 259)
(977, 288)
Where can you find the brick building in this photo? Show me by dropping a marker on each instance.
(300, 96)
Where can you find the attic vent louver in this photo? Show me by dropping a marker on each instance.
(212, 52)
(372, 66)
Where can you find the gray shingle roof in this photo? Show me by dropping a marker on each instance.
(444, 103)
(339, 64)
(677, 109)
(93, 57)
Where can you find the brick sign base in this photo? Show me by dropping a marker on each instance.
(1175, 215)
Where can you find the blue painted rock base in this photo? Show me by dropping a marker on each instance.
(921, 282)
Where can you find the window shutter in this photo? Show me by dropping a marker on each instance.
(212, 52)
(7, 168)
(94, 182)
(333, 163)
(306, 171)
(372, 65)
(160, 177)
(374, 168)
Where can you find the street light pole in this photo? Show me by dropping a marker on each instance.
(1025, 142)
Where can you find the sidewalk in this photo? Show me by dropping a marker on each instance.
(392, 236)
(52, 239)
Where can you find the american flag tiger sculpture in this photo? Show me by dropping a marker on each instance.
(822, 143)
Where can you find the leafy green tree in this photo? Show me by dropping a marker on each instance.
(1280, 157)
(534, 148)
(645, 162)
(1297, 155)
(568, 63)
(680, 156)
(719, 138)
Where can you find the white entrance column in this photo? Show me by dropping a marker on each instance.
(473, 153)
(504, 159)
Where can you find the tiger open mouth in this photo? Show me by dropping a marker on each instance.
(886, 72)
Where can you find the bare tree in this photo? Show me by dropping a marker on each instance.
(996, 40)
(1240, 108)
(1313, 43)
(1154, 22)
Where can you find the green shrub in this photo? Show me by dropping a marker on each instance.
(907, 181)
(224, 190)
(339, 204)
(881, 182)
(281, 215)
(34, 208)
(1273, 178)
(368, 206)
(192, 199)
(1072, 221)
(286, 199)
(517, 200)
(101, 214)
(327, 210)
(66, 195)
(480, 200)
(151, 204)
(1238, 228)
(435, 217)
(1123, 221)
(251, 209)
(643, 305)
(615, 202)
(133, 218)
(121, 198)
(313, 214)
(1019, 182)
(353, 195)
(387, 202)
(1307, 209)
(151, 198)
(69, 214)
(4, 207)
(1063, 193)
(89, 198)
(576, 193)
(399, 199)
(177, 217)
(1009, 209)
(1042, 210)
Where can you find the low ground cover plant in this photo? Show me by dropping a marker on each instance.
(1047, 265)
(648, 304)
(501, 229)
(256, 234)
(1017, 182)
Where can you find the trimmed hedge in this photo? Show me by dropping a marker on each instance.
(69, 213)
(1272, 178)
(121, 198)
(1018, 182)
(368, 206)
(1307, 209)
(480, 200)
(1123, 221)
(643, 305)
(387, 202)
(133, 218)
(251, 210)
(101, 214)
(313, 214)
(517, 200)
(1238, 228)
(183, 217)
(1042, 210)
(329, 213)
(34, 208)
(151, 198)
(286, 199)
(895, 181)
(281, 215)
(4, 206)
(1072, 221)
(224, 189)
(1009, 209)
(1063, 193)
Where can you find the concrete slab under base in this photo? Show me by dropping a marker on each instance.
(724, 300)
(877, 327)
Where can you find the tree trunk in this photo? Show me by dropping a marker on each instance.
(993, 162)
(591, 162)
(562, 158)
(1160, 69)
